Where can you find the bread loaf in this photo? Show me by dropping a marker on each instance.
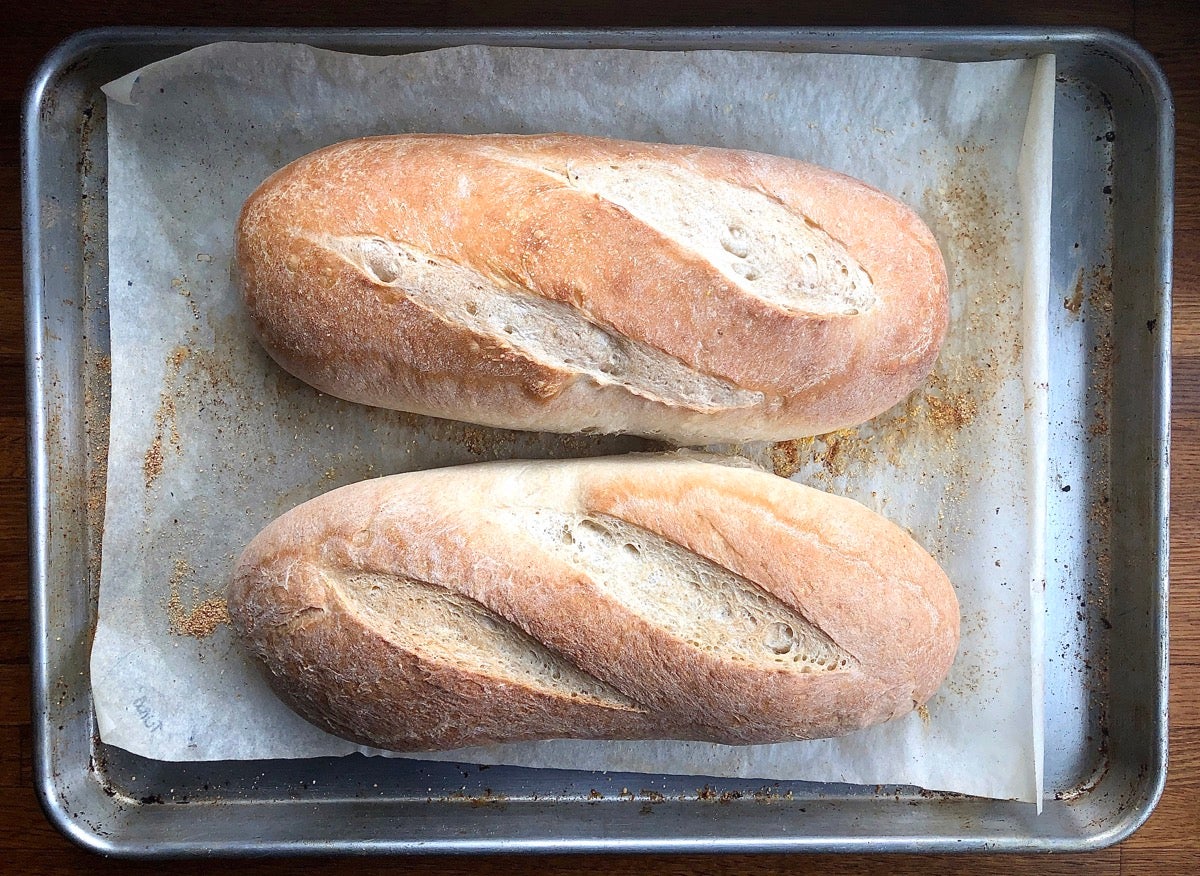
(567, 283)
(630, 597)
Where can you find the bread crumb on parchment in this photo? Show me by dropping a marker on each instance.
(200, 620)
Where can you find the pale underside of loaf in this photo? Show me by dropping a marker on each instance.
(574, 284)
(523, 601)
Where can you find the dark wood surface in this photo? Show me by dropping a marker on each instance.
(1170, 841)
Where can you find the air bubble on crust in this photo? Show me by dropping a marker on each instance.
(779, 638)
(733, 241)
(380, 260)
(746, 270)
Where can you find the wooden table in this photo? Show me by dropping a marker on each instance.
(1169, 843)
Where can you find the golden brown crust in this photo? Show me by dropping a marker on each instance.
(857, 579)
(348, 679)
(351, 339)
(856, 571)
(503, 207)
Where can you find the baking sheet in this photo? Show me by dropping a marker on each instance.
(196, 405)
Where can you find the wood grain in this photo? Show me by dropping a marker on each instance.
(14, 635)
(1169, 842)
(14, 693)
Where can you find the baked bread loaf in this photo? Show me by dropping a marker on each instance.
(632, 597)
(573, 284)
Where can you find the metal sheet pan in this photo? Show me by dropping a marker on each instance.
(1106, 590)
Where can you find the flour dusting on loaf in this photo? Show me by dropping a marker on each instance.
(639, 597)
(763, 248)
(568, 283)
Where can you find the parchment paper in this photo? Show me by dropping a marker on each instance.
(210, 440)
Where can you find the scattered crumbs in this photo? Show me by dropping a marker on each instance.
(971, 220)
(653, 796)
(1075, 302)
(1100, 290)
(1103, 357)
(95, 502)
(203, 618)
(728, 797)
(931, 417)
(787, 457)
(96, 406)
(168, 414)
(1099, 512)
(923, 711)
(476, 440)
(152, 463)
(707, 793)
(595, 795)
(951, 411)
(839, 446)
(165, 420)
(178, 284)
(489, 798)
